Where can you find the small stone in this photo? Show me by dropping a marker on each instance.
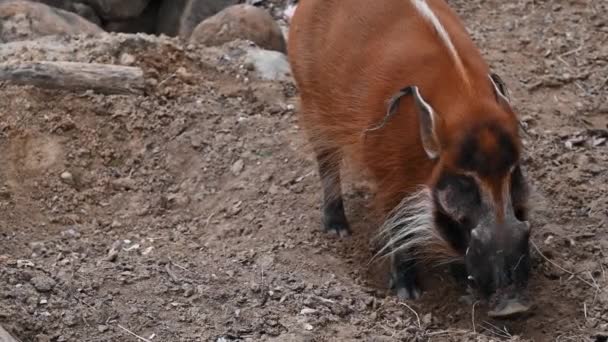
(127, 59)
(43, 338)
(197, 141)
(70, 233)
(249, 66)
(597, 141)
(123, 183)
(151, 81)
(273, 189)
(308, 326)
(67, 177)
(24, 263)
(237, 167)
(188, 290)
(43, 283)
(184, 75)
(102, 328)
(114, 250)
(178, 200)
(307, 311)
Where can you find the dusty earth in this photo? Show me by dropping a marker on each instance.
(192, 213)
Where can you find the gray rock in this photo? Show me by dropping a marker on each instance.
(79, 8)
(20, 20)
(244, 22)
(269, 65)
(180, 17)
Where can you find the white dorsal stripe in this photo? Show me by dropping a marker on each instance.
(429, 15)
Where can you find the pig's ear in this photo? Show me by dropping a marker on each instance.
(428, 125)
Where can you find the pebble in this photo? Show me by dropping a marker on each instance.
(67, 177)
(184, 75)
(123, 183)
(70, 233)
(307, 311)
(102, 328)
(24, 263)
(43, 338)
(308, 326)
(127, 59)
(188, 290)
(43, 283)
(178, 200)
(197, 141)
(237, 167)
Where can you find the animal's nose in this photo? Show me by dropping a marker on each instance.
(516, 225)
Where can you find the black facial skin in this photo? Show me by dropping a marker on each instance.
(497, 258)
(519, 194)
(461, 194)
(497, 265)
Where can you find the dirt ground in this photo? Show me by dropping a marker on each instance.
(192, 213)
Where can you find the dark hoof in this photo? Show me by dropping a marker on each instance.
(411, 293)
(337, 226)
(338, 230)
(406, 290)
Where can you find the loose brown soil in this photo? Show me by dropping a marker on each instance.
(192, 213)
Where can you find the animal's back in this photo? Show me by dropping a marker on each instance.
(349, 57)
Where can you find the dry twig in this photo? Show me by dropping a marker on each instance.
(473, 317)
(414, 312)
(133, 334)
(595, 286)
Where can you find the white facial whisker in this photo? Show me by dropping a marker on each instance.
(410, 230)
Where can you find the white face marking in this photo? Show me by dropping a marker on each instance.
(424, 9)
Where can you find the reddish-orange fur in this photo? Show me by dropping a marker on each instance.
(350, 56)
